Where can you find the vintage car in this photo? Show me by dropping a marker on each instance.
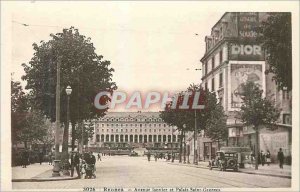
(224, 161)
(243, 154)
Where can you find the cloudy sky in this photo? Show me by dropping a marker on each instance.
(151, 45)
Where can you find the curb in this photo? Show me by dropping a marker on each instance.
(44, 179)
(246, 172)
(265, 174)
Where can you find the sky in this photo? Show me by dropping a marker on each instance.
(153, 46)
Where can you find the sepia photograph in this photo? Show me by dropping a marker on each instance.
(150, 96)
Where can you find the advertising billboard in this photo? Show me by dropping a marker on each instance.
(246, 52)
(240, 74)
(247, 25)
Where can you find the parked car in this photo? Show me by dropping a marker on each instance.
(133, 154)
(244, 154)
(224, 161)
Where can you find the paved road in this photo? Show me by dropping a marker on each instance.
(121, 171)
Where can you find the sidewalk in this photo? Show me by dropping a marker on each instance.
(36, 172)
(272, 170)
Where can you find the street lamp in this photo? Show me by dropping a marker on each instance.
(184, 145)
(69, 91)
(195, 143)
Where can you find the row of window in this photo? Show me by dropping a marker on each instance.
(133, 125)
(136, 130)
(213, 82)
(136, 138)
(213, 62)
(132, 119)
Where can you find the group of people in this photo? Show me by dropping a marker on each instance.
(167, 156)
(265, 158)
(84, 164)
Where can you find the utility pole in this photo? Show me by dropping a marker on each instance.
(56, 168)
(195, 137)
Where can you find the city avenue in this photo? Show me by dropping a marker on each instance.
(130, 172)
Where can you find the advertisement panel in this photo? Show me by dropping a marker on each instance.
(274, 141)
(247, 25)
(246, 52)
(240, 74)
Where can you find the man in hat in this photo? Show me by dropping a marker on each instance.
(75, 163)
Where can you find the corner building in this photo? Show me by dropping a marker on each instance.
(234, 56)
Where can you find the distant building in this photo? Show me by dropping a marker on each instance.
(233, 56)
(133, 130)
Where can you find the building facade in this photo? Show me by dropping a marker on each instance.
(134, 130)
(234, 56)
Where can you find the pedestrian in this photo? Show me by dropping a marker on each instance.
(268, 157)
(155, 156)
(49, 158)
(41, 157)
(280, 157)
(252, 158)
(91, 161)
(25, 158)
(99, 157)
(149, 156)
(262, 158)
(169, 156)
(75, 163)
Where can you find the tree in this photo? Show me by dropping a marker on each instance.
(27, 124)
(257, 111)
(277, 41)
(216, 128)
(19, 109)
(178, 117)
(81, 68)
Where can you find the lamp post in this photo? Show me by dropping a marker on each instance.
(184, 145)
(172, 145)
(195, 138)
(69, 91)
(56, 167)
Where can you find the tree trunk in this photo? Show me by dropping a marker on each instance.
(73, 136)
(25, 144)
(256, 148)
(180, 149)
(184, 149)
(218, 145)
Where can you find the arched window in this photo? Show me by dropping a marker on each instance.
(97, 138)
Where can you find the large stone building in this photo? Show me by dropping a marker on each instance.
(133, 129)
(233, 56)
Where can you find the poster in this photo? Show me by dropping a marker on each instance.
(240, 74)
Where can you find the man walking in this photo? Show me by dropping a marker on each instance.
(280, 157)
(41, 156)
(262, 158)
(99, 157)
(75, 163)
(25, 158)
(148, 155)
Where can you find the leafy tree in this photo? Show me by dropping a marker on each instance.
(81, 68)
(257, 111)
(277, 41)
(84, 132)
(27, 124)
(178, 117)
(216, 128)
(19, 109)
